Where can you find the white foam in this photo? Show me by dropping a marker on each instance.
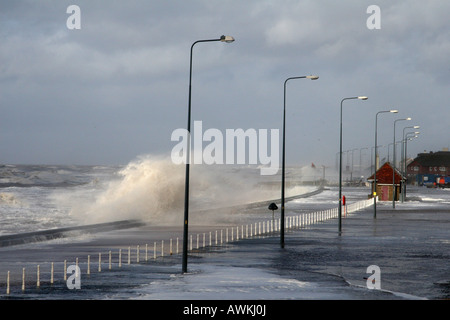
(152, 189)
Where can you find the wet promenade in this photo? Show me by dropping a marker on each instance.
(410, 244)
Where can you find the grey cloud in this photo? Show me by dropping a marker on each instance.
(123, 78)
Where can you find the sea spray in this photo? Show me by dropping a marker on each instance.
(151, 188)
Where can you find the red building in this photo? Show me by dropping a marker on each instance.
(427, 167)
(385, 183)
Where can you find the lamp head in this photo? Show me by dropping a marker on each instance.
(393, 111)
(363, 98)
(312, 77)
(227, 39)
(408, 119)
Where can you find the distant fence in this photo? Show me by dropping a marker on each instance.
(22, 280)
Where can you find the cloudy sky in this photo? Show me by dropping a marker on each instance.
(118, 87)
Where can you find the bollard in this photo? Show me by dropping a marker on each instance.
(226, 236)
(177, 246)
(137, 254)
(38, 281)
(51, 274)
(99, 262)
(23, 279)
(154, 250)
(109, 260)
(216, 238)
(120, 258)
(203, 240)
(251, 230)
(88, 265)
(170, 247)
(210, 240)
(221, 237)
(65, 270)
(190, 243)
(129, 255)
(146, 252)
(7, 283)
(162, 248)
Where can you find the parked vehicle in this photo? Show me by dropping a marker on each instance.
(443, 182)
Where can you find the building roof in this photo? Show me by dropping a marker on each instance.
(433, 159)
(384, 175)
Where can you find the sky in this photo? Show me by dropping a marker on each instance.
(117, 87)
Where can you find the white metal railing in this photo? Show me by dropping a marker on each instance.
(143, 254)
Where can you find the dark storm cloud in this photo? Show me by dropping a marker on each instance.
(118, 87)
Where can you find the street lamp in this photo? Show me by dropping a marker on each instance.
(226, 39)
(393, 164)
(406, 147)
(375, 174)
(284, 153)
(340, 162)
(403, 162)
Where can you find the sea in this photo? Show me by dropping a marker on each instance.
(41, 197)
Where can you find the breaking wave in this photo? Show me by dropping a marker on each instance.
(152, 189)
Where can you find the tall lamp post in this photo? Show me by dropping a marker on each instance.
(226, 39)
(415, 133)
(284, 153)
(340, 162)
(404, 159)
(393, 164)
(375, 174)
